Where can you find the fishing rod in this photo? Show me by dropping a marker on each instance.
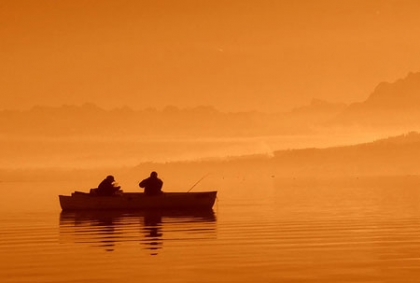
(198, 182)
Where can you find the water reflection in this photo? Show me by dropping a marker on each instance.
(153, 229)
(109, 229)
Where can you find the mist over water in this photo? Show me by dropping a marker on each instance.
(106, 152)
(267, 228)
(311, 215)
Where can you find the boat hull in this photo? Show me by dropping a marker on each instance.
(139, 201)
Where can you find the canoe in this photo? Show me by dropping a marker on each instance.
(139, 201)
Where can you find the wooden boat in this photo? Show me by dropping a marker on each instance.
(139, 201)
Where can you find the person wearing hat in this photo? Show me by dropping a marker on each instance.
(152, 185)
(108, 187)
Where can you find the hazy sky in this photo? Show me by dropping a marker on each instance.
(234, 55)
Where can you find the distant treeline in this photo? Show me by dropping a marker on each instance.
(391, 106)
(171, 121)
(394, 156)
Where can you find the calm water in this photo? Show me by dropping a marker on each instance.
(267, 231)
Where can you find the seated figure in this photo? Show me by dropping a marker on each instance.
(107, 187)
(152, 185)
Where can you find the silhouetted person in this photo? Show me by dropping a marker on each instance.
(152, 185)
(107, 187)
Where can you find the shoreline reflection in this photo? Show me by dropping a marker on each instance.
(109, 229)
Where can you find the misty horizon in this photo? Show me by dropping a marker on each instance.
(235, 56)
(213, 107)
(87, 136)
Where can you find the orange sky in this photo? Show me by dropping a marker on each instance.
(234, 55)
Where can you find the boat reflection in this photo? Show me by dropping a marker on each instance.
(109, 229)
